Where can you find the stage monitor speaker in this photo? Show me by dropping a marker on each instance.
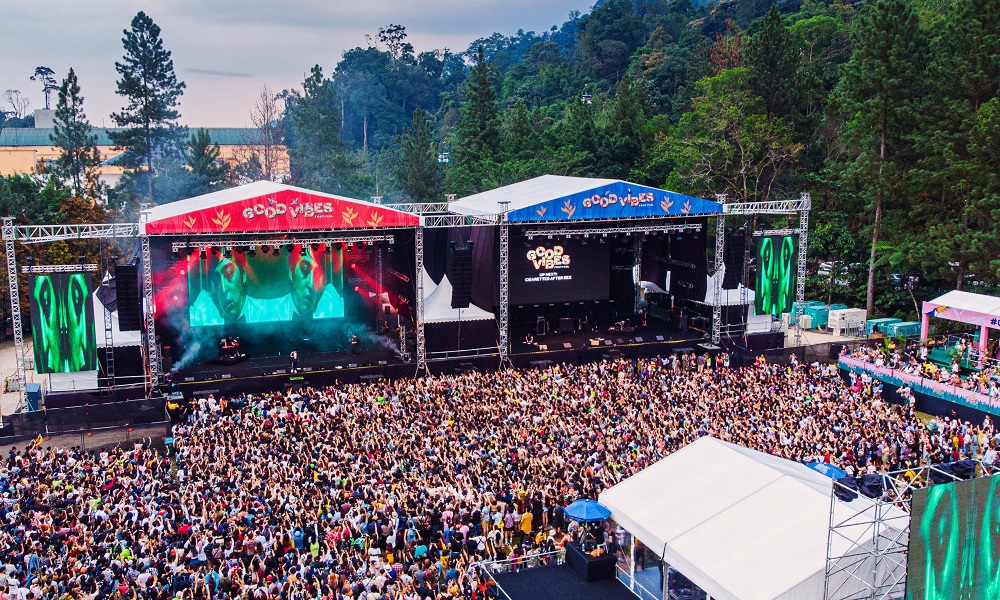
(566, 325)
(540, 325)
(127, 297)
(461, 277)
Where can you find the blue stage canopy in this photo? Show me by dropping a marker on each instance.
(554, 198)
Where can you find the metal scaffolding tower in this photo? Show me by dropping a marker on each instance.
(9, 233)
(504, 317)
(418, 246)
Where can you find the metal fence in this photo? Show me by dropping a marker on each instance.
(88, 418)
(94, 439)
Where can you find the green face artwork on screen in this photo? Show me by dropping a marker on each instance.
(776, 275)
(955, 542)
(62, 323)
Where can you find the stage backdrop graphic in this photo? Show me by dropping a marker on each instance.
(559, 270)
(304, 284)
(954, 549)
(777, 273)
(62, 323)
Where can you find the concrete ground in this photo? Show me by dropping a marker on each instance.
(8, 367)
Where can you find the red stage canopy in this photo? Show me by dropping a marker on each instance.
(266, 207)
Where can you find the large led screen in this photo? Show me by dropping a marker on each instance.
(273, 287)
(777, 274)
(954, 547)
(559, 271)
(62, 323)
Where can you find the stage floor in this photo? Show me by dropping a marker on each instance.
(656, 332)
(557, 583)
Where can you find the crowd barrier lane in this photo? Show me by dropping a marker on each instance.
(924, 385)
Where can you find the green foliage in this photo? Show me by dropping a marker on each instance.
(152, 92)
(418, 172)
(74, 136)
(477, 135)
(208, 171)
(773, 60)
(320, 158)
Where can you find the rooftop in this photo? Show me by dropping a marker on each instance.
(30, 136)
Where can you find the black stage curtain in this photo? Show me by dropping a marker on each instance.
(688, 262)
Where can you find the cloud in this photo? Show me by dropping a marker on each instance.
(262, 41)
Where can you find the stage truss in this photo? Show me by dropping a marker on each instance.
(801, 206)
(432, 215)
(878, 571)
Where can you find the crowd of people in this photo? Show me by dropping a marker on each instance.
(913, 360)
(394, 489)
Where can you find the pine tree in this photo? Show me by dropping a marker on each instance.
(773, 61)
(477, 138)
(418, 172)
(73, 135)
(149, 84)
(208, 170)
(881, 83)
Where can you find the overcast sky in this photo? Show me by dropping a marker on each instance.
(226, 51)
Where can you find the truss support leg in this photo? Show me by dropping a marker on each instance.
(720, 249)
(800, 284)
(504, 316)
(152, 349)
(637, 254)
(418, 245)
(9, 233)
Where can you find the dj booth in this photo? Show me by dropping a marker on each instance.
(590, 568)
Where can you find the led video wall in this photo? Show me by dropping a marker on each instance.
(62, 323)
(550, 271)
(777, 275)
(954, 549)
(271, 287)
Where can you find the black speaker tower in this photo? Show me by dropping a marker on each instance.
(127, 296)
(461, 276)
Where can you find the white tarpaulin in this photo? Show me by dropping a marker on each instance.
(437, 304)
(740, 524)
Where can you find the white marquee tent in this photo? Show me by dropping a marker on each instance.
(437, 304)
(740, 524)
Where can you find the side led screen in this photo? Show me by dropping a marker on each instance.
(62, 323)
(777, 275)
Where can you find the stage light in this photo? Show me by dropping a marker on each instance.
(350, 248)
(388, 248)
(265, 249)
(252, 252)
(327, 250)
(289, 247)
(175, 255)
(338, 246)
(204, 254)
(228, 253)
(192, 250)
(239, 249)
(315, 247)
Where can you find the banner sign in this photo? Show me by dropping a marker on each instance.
(930, 387)
(618, 200)
(285, 210)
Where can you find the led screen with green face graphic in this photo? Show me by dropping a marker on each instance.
(62, 323)
(272, 287)
(777, 274)
(954, 548)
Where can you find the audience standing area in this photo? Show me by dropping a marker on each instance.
(736, 524)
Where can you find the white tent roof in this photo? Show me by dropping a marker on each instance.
(740, 524)
(728, 297)
(118, 337)
(525, 194)
(980, 303)
(437, 304)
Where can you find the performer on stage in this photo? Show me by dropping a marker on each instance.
(294, 355)
(529, 339)
(354, 344)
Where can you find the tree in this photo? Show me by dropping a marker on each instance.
(208, 171)
(726, 144)
(319, 157)
(263, 157)
(621, 136)
(151, 88)
(773, 61)
(881, 83)
(418, 171)
(73, 135)
(49, 83)
(477, 136)
(18, 103)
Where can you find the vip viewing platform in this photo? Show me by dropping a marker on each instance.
(961, 369)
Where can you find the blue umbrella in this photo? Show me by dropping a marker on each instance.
(827, 469)
(586, 510)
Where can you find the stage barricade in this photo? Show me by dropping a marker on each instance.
(82, 418)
